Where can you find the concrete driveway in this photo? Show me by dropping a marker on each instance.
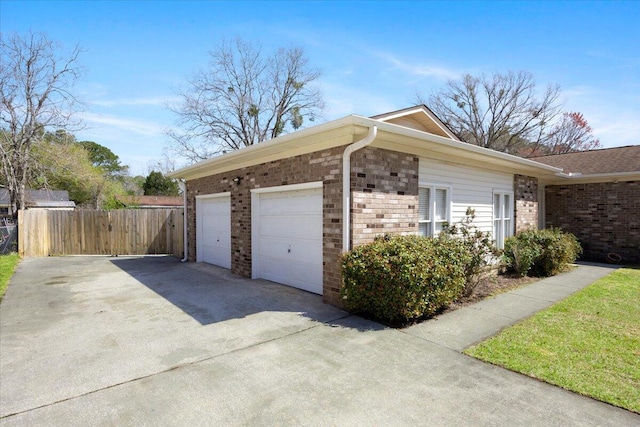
(151, 341)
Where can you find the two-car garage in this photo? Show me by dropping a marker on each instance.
(286, 233)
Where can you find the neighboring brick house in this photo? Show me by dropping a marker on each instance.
(276, 210)
(151, 202)
(597, 198)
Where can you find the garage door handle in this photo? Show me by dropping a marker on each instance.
(289, 251)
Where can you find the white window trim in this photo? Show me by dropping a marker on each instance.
(499, 238)
(432, 205)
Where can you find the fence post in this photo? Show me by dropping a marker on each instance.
(21, 232)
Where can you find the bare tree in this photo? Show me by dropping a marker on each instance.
(572, 133)
(245, 97)
(501, 112)
(35, 94)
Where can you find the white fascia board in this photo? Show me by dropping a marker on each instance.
(420, 109)
(577, 178)
(254, 151)
(279, 148)
(463, 146)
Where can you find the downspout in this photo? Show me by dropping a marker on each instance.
(183, 187)
(346, 185)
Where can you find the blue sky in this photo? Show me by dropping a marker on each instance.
(375, 56)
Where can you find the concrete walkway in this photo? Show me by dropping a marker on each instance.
(150, 341)
(472, 324)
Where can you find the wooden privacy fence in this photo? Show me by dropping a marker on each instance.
(115, 232)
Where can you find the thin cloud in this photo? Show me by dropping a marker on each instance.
(139, 127)
(159, 101)
(618, 131)
(417, 70)
(612, 123)
(342, 100)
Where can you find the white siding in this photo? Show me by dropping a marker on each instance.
(470, 187)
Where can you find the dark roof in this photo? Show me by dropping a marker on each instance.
(36, 196)
(155, 201)
(607, 160)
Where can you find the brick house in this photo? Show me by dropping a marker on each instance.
(151, 202)
(597, 198)
(286, 209)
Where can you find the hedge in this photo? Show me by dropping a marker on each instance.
(540, 253)
(400, 279)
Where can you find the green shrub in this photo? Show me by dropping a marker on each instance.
(520, 252)
(399, 279)
(479, 247)
(540, 253)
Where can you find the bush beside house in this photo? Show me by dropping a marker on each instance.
(540, 253)
(399, 279)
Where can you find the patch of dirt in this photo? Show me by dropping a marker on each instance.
(491, 285)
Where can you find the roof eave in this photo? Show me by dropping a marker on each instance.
(254, 152)
(577, 178)
(469, 151)
(281, 147)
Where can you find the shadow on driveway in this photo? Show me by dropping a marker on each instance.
(211, 294)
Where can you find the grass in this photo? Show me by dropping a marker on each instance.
(8, 265)
(588, 343)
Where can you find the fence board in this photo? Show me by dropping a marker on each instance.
(117, 232)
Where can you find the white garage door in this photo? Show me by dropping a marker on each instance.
(287, 237)
(213, 240)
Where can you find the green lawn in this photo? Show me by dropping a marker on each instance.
(8, 264)
(588, 343)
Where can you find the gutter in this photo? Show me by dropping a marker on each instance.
(580, 178)
(346, 185)
(256, 149)
(183, 186)
(579, 175)
(278, 148)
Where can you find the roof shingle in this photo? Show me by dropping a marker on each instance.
(607, 160)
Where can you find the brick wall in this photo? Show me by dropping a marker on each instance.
(385, 199)
(325, 166)
(384, 194)
(526, 202)
(605, 217)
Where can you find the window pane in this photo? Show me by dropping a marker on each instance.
(439, 227)
(423, 204)
(423, 228)
(496, 206)
(507, 206)
(507, 228)
(441, 204)
(497, 233)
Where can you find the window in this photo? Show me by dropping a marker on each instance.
(502, 215)
(433, 209)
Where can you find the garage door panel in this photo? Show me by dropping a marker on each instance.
(216, 255)
(290, 250)
(303, 275)
(214, 231)
(288, 238)
(272, 204)
(273, 226)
